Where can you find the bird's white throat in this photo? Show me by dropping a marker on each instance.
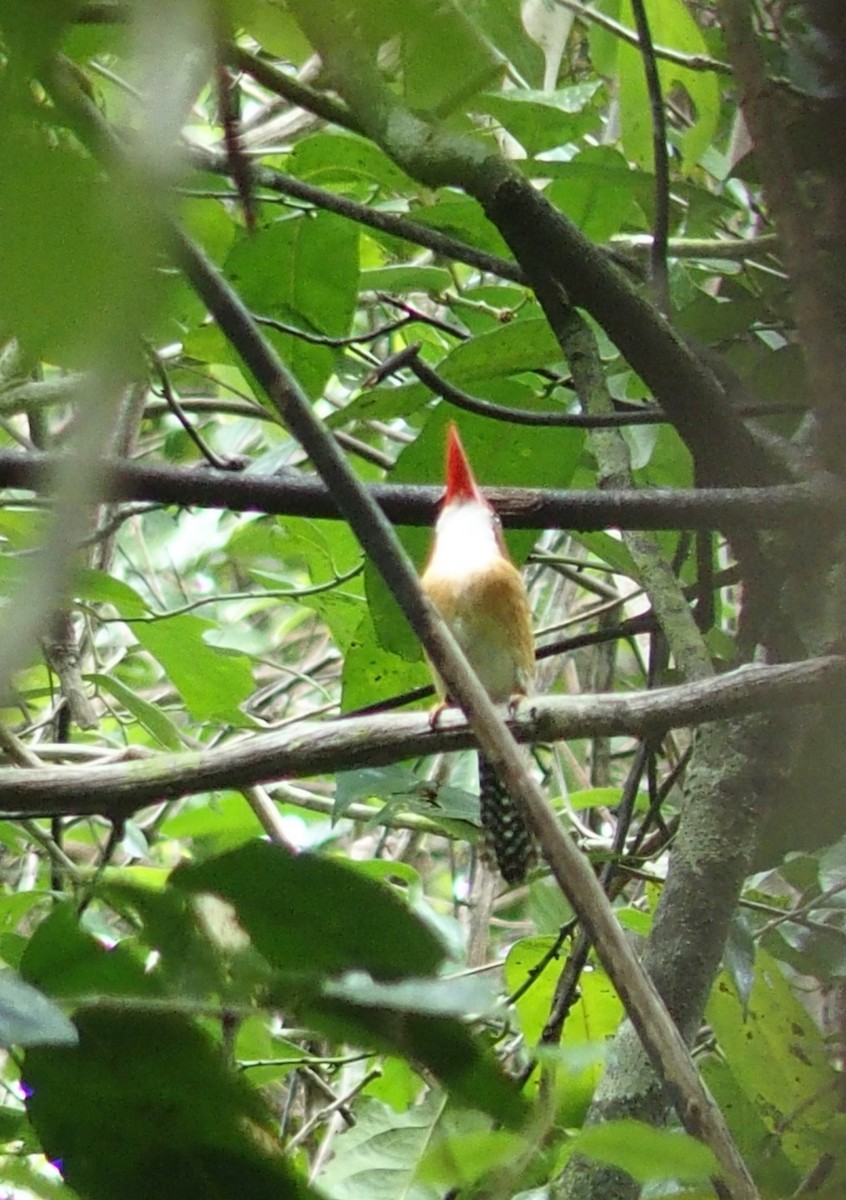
(465, 539)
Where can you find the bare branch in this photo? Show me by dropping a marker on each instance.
(315, 748)
(297, 494)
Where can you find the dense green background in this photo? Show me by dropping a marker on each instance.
(210, 1044)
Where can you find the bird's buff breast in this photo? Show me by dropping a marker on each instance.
(483, 615)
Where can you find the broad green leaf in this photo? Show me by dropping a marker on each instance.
(212, 683)
(517, 346)
(739, 958)
(597, 191)
(610, 550)
(593, 1018)
(608, 797)
(64, 961)
(149, 716)
(304, 266)
(403, 278)
(274, 28)
(325, 548)
(646, 1153)
(226, 821)
(378, 1158)
(210, 225)
(317, 914)
(462, 1159)
(369, 783)
(28, 1018)
(544, 120)
(779, 1059)
(457, 997)
(339, 159)
(464, 219)
(400, 787)
(342, 612)
(771, 1168)
(398, 1086)
(187, 963)
(157, 1088)
(372, 673)
(302, 271)
(99, 588)
(673, 26)
(442, 1046)
(382, 403)
(74, 248)
(466, 61)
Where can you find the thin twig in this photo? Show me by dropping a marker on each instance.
(661, 222)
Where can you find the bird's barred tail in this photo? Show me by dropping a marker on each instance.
(506, 835)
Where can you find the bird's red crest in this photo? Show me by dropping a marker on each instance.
(460, 482)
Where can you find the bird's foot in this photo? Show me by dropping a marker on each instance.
(514, 703)
(436, 712)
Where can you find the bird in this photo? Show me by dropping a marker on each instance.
(474, 585)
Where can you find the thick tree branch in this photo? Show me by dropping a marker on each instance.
(296, 494)
(323, 747)
(810, 234)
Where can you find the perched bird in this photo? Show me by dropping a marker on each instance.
(475, 586)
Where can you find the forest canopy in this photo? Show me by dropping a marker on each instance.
(257, 257)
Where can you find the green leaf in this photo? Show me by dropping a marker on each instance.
(274, 29)
(317, 914)
(544, 120)
(340, 159)
(466, 61)
(226, 820)
(212, 683)
(97, 587)
(187, 964)
(461, 1159)
(372, 673)
(302, 271)
(154, 1086)
(71, 244)
(646, 1153)
(772, 1170)
(593, 1019)
(464, 219)
(149, 716)
(779, 1059)
(63, 961)
(399, 787)
(382, 783)
(457, 997)
(382, 403)
(402, 278)
(598, 191)
(28, 1018)
(377, 1159)
(671, 24)
(517, 346)
(440, 1045)
(739, 958)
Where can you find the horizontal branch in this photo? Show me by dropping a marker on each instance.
(296, 494)
(317, 748)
